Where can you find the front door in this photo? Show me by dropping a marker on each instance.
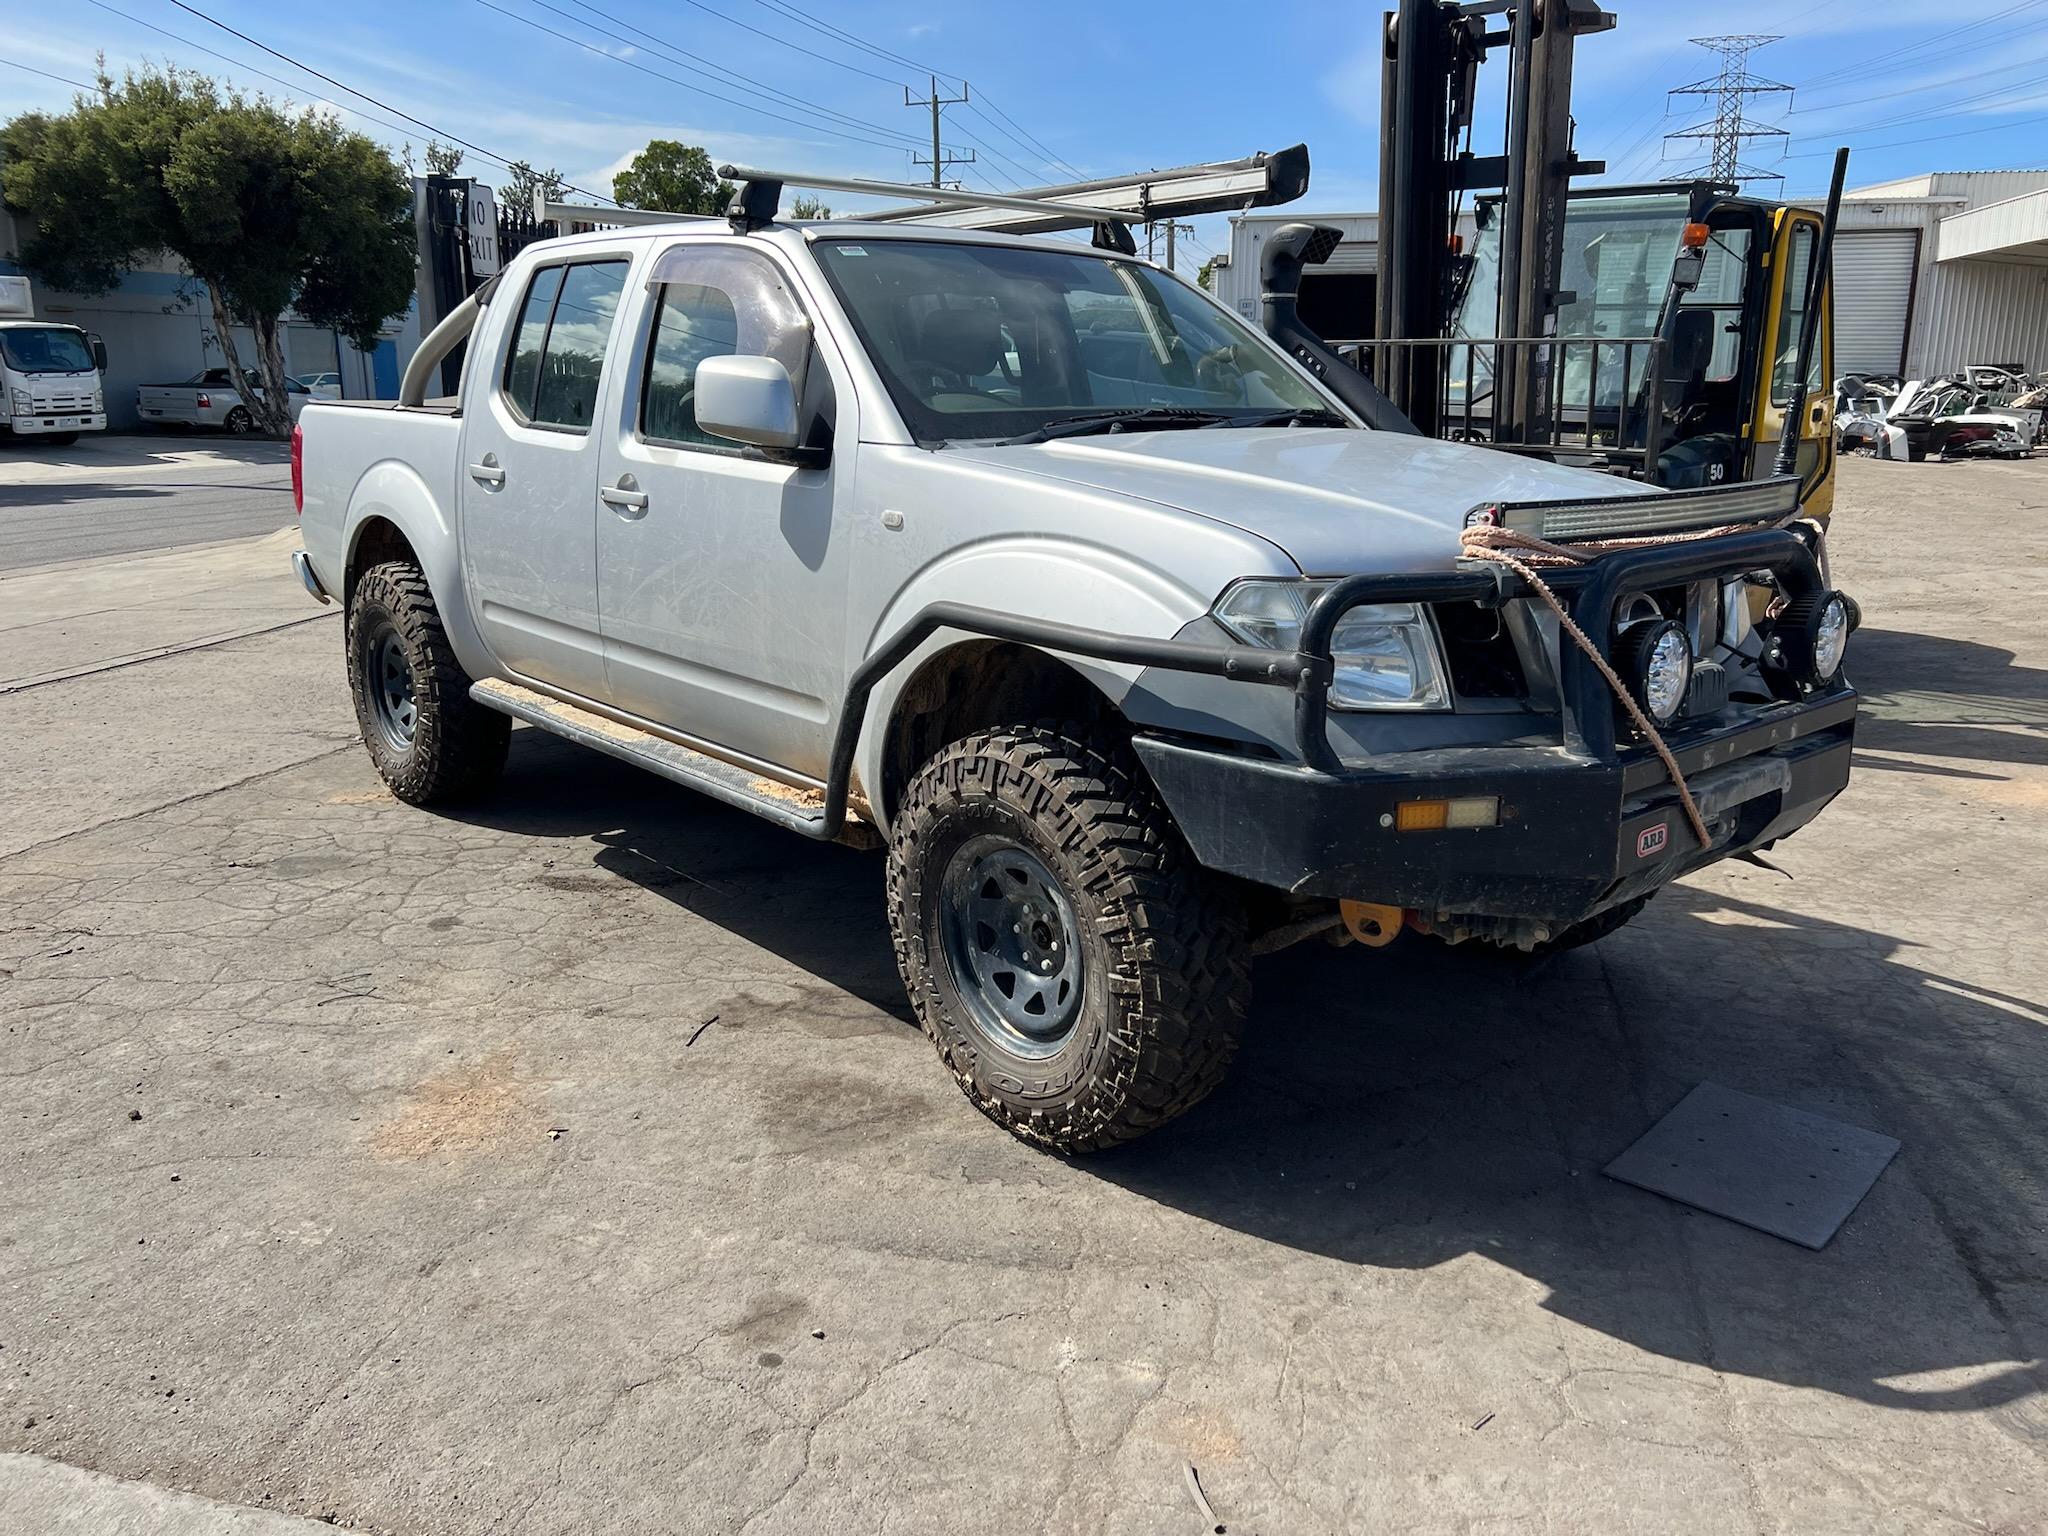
(721, 573)
(529, 478)
(1796, 240)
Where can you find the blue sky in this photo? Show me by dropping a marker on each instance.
(1058, 85)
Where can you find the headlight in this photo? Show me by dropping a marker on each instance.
(24, 405)
(1385, 653)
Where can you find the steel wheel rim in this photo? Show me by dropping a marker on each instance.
(1012, 945)
(387, 676)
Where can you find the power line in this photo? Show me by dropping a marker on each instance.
(1931, 138)
(295, 87)
(1907, 56)
(716, 71)
(799, 47)
(577, 42)
(439, 133)
(60, 79)
(818, 23)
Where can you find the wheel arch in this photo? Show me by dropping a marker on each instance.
(977, 684)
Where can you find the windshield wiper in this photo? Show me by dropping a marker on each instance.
(1130, 418)
(1292, 416)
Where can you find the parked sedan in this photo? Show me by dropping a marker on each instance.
(208, 399)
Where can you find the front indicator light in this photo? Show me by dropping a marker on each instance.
(1460, 815)
(1656, 661)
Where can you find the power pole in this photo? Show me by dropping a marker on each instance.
(1731, 129)
(1171, 228)
(940, 162)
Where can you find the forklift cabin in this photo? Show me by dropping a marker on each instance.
(1676, 341)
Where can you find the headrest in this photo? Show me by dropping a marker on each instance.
(965, 342)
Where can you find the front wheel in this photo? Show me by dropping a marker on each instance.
(239, 423)
(1081, 975)
(429, 740)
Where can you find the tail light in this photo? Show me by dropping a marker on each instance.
(206, 402)
(298, 470)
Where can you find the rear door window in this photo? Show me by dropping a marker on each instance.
(557, 357)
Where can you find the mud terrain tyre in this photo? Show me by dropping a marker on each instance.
(1083, 978)
(430, 741)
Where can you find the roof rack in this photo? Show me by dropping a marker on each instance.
(1109, 206)
(760, 195)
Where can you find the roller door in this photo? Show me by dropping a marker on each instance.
(1873, 298)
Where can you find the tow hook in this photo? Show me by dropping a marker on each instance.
(1371, 924)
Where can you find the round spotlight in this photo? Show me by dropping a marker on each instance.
(1656, 660)
(1809, 638)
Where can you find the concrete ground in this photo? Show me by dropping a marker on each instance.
(572, 1165)
(119, 493)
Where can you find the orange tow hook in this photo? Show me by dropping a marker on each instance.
(1370, 923)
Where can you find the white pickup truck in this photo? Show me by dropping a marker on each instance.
(1135, 646)
(208, 399)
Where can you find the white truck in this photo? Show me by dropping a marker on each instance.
(51, 386)
(208, 399)
(1115, 624)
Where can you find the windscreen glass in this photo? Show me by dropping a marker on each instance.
(45, 349)
(986, 341)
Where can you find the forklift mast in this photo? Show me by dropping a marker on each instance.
(1433, 50)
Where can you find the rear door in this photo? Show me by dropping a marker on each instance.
(1794, 244)
(721, 571)
(529, 475)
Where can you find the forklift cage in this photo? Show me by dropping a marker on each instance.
(1625, 430)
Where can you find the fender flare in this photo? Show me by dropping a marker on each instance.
(395, 492)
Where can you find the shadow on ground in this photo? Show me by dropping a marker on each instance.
(1415, 1106)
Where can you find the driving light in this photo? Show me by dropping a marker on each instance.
(1806, 645)
(1385, 654)
(1656, 659)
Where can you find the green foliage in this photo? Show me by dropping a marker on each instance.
(805, 206)
(1206, 277)
(522, 181)
(268, 207)
(672, 177)
(442, 159)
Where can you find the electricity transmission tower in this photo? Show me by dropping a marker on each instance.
(1730, 130)
(940, 162)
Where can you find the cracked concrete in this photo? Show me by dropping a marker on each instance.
(437, 1220)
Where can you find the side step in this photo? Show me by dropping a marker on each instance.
(789, 805)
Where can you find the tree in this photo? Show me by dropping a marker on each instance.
(672, 177)
(442, 159)
(523, 181)
(268, 208)
(1206, 278)
(805, 206)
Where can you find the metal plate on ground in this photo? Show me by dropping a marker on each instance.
(1783, 1171)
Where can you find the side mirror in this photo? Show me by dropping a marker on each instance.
(99, 352)
(747, 399)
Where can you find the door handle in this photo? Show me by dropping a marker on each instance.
(487, 473)
(623, 498)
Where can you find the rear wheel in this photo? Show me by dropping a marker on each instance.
(429, 739)
(1082, 977)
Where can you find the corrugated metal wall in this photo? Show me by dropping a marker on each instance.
(1981, 312)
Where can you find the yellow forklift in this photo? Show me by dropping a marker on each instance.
(1678, 333)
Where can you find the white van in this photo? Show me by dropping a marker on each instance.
(50, 374)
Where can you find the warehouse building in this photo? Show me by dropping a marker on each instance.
(1932, 273)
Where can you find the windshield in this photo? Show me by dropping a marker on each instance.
(1618, 253)
(988, 341)
(45, 349)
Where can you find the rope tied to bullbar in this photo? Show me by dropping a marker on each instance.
(1523, 553)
